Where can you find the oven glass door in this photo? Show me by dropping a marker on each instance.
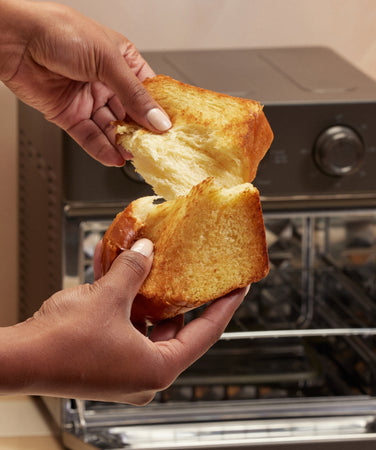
(296, 364)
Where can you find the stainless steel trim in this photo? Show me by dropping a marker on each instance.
(317, 202)
(299, 333)
(232, 425)
(226, 435)
(285, 206)
(98, 209)
(324, 197)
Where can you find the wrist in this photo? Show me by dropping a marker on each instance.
(16, 29)
(13, 354)
(17, 352)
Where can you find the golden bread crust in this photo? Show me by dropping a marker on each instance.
(206, 244)
(119, 237)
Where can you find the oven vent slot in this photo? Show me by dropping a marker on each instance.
(39, 228)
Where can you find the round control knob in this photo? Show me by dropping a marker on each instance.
(339, 151)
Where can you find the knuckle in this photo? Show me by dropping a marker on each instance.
(139, 96)
(110, 131)
(92, 136)
(61, 301)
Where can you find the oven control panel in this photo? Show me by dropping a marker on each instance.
(321, 154)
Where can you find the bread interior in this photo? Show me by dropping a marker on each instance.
(190, 153)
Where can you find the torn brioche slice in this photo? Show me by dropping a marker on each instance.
(212, 135)
(207, 244)
(209, 236)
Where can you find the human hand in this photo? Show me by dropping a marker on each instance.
(78, 73)
(82, 344)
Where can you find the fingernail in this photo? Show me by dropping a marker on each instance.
(143, 246)
(247, 289)
(158, 119)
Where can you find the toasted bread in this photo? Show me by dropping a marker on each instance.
(212, 134)
(207, 244)
(209, 235)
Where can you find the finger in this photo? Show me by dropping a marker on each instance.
(106, 109)
(136, 100)
(167, 329)
(137, 63)
(199, 335)
(127, 273)
(90, 137)
(103, 96)
(103, 118)
(116, 107)
(145, 72)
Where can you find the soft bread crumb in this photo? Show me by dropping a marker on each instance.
(177, 160)
(212, 134)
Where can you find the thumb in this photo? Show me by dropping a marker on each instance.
(137, 101)
(128, 272)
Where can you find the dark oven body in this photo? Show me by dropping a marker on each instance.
(296, 367)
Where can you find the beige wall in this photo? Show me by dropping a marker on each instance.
(345, 25)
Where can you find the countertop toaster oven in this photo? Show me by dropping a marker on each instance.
(296, 367)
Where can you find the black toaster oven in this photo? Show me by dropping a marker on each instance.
(296, 368)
